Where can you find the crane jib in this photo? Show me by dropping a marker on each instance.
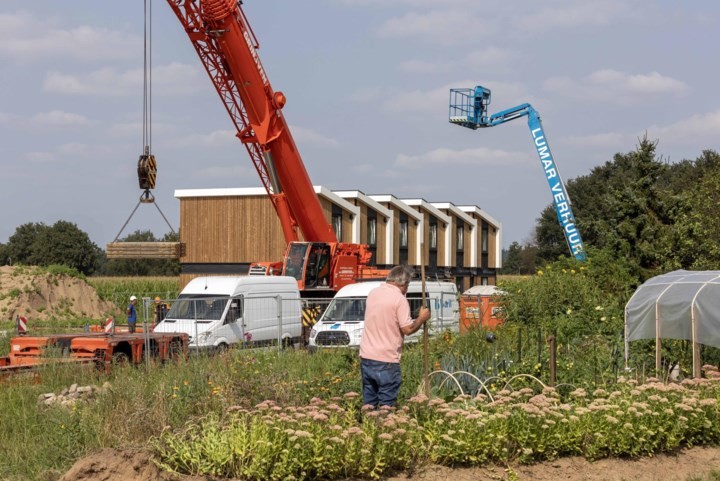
(561, 200)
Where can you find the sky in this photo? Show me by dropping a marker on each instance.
(367, 85)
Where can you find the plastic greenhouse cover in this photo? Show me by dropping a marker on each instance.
(668, 304)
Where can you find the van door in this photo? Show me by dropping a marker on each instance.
(262, 313)
(229, 330)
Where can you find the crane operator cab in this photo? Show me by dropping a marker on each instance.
(309, 264)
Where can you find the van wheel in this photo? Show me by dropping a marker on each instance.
(287, 343)
(221, 348)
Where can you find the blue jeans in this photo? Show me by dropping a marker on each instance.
(380, 382)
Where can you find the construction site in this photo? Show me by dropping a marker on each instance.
(249, 369)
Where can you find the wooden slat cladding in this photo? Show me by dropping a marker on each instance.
(230, 229)
(144, 250)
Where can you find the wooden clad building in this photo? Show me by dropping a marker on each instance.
(223, 231)
(376, 226)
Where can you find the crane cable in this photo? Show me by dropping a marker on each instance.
(146, 165)
(147, 78)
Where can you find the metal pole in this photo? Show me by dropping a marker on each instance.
(278, 299)
(426, 366)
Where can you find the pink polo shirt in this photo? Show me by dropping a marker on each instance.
(387, 310)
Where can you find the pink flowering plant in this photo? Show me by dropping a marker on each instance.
(332, 439)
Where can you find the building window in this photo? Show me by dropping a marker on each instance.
(403, 234)
(337, 222)
(433, 233)
(460, 236)
(485, 237)
(372, 228)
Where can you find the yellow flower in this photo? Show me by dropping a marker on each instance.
(540, 273)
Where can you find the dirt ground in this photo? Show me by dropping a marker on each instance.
(35, 295)
(113, 465)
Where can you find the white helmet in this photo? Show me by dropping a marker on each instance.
(133, 298)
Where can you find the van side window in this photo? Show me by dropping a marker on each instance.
(235, 312)
(415, 301)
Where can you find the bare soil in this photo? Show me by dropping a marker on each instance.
(36, 295)
(688, 464)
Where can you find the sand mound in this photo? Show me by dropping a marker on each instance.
(38, 295)
(118, 465)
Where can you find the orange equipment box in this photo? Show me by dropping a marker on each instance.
(479, 308)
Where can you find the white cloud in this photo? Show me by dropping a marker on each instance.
(489, 57)
(422, 66)
(172, 79)
(226, 172)
(24, 36)
(573, 14)
(479, 157)
(215, 139)
(308, 136)
(75, 149)
(610, 139)
(59, 118)
(609, 85)
(363, 168)
(40, 157)
(444, 26)
(436, 100)
(409, 3)
(700, 127)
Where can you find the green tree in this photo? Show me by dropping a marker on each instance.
(626, 206)
(695, 242)
(62, 243)
(520, 259)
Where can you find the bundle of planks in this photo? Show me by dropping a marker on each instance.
(144, 250)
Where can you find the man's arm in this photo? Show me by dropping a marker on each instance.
(417, 323)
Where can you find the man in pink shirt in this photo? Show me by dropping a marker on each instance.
(387, 322)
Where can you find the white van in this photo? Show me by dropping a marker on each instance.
(342, 323)
(220, 311)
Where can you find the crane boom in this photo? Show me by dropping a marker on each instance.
(227, 47)
(468, 108)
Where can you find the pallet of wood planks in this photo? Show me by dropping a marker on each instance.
(144, 250)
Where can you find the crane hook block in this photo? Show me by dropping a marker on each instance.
(147, 171)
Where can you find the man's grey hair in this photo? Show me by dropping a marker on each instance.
(400, 275)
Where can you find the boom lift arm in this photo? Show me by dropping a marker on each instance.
(228, 48)
(469, 108)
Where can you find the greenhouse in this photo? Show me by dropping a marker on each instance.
(681, 305)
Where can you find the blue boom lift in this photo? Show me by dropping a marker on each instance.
(468, 108)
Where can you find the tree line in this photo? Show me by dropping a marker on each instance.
(63, 243)
(656, 215)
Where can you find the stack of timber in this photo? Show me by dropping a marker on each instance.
(144, 250)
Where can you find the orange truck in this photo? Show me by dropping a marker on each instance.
(480, 308)
(102, 349)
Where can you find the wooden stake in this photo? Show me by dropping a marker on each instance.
(426, 367)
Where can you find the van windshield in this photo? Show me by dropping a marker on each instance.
(345, 309)
(198, 307)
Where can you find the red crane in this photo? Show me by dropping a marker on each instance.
(228, 48)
